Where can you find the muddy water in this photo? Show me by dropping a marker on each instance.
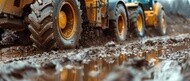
(98, 69)
(95, 70)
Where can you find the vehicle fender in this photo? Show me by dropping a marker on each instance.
(158, 8)
(112, 8)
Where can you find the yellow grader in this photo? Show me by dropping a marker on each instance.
(57, 24)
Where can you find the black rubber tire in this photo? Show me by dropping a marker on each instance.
(120, 9)
(133, 20)
(162, 30)
(44, 27)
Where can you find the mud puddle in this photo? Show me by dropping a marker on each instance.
(97, 69)
(94, 70)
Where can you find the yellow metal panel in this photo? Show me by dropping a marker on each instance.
(91, 6)
(151, 15)
(104, 22)
(2, 3)
(104, 7)
(25, 2)
(10, 8)
(157, 7)
(91, 10)
(150, 18)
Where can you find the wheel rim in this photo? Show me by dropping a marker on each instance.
(139, 23)
(121, 24)
(163, 25)
(67, 21)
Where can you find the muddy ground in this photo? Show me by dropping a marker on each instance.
(153, 58)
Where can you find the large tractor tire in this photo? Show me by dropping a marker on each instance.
(119, 26)
(55, 26)
(162, 26)
(138, 22)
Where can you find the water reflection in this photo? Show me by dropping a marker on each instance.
(98, 69)
(71, 75)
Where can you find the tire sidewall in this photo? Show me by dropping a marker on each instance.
(121, 10)
(160, 28)
(73, 41)
(142, 33)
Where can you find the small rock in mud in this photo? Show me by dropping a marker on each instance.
(110, 44)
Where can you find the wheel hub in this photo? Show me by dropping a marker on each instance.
(67, 21)
(139, 23)
(121, 24)
(62, 19)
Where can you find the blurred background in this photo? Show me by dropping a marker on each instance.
(179, 7)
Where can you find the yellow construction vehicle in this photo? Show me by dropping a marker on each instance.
(57, 24)
(146, 13)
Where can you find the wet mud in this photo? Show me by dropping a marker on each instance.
(136, 60)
